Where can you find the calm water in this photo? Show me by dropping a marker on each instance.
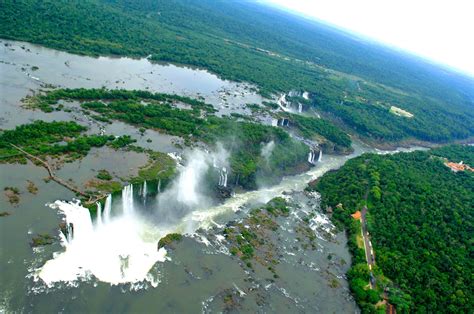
(18, 79)
(200, 271)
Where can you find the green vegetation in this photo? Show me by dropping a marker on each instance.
(244, 140)
(31, 187)
(4, 214)
(255, 238)
(12, 194)
(169, 239)
(53, 139)
(319, 129)
(250, 240)
(105, 186)
(352, 81)
(47, 101)
(41, 240)
(160, 167)
(278, 206)
(104, 175)
(420, 219)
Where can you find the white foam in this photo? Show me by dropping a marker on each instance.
(121, 251)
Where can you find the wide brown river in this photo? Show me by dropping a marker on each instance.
(199, 272)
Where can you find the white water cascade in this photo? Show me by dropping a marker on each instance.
(158, 187)
(300, 107)
(127, 200)
(144, 192)
(311, 156)
(118, 249)
(99, 214)
(223, 177)
(107, 208)
(144, 189)
(124, 248)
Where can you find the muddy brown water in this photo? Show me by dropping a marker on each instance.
(198, 276)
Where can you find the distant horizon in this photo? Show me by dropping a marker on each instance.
(458, 58)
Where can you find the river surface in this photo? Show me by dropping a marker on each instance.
(199, 273)
(25, 68)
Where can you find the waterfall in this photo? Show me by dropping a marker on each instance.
(144, 192)
(158, 187)
(320, 158)
(300, 107)
(284, 122)
(311, 156)
(99, 215)
(127, 200)
(101, 251)
(70, 231)
(107, 208)
(117, 252)
(223, 177)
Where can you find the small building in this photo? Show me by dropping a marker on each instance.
(458, 166)
(357, 215)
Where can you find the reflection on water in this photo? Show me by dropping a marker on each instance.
(18, 78)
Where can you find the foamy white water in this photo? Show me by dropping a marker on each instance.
(123, 247)
(123, 250)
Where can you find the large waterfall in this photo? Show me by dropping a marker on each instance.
(122, 247)
(118, 249)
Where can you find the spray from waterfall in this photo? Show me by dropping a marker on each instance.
(267, 150)
(190, 189)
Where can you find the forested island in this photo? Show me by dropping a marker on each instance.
(420, 220)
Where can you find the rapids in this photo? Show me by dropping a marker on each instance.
(120, 246)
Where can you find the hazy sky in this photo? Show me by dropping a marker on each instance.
(441, 30)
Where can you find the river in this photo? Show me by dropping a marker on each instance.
(195, 276)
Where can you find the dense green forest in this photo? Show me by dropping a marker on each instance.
(421, 223)
(53, 139)
(244, 140)
(313, 128)
(351, 81)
